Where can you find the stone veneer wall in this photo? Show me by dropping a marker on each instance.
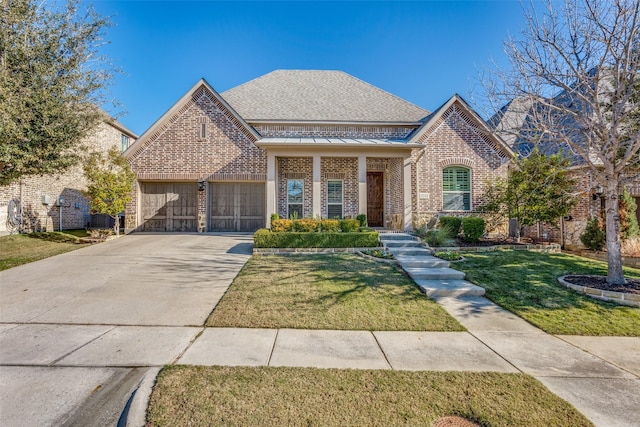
(70, 185)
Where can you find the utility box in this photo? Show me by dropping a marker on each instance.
(46, 200)
(59, 201)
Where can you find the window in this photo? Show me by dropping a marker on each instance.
(203, 130)
(334, 199)
(456, 189)
(295, 190)
(124, 142)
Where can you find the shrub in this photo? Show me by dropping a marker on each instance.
(421, 231)
(281, 225)
(363, 220)
(452, 223)
(274, 216)
(264, 238)
(473, 228)
(628, 220)
(349, 225)
(593, 237)
(306, 225)
(438, 237)
(330, 225)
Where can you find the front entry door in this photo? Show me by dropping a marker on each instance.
(375, 199)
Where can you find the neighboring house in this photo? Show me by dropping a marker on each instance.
(308, 144)
(515, 124)
(42, 199)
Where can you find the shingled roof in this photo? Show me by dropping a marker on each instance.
(316, 95)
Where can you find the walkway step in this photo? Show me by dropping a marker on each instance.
(449, 288)
(438, 273)
(422, 261)
(396, 236)
(400, 252)
(402, 244)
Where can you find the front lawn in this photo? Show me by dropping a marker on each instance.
(525, 283)
(25, 248)
(266, 396)
(338, 291)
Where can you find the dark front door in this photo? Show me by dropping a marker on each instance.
(375, 199)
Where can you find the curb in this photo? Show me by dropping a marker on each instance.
(139, 401)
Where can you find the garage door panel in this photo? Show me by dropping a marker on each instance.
(169, 206)
(236, 206)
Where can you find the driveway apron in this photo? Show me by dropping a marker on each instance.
(79, 331)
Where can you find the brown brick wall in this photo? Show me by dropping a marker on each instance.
(69, 185)
(455, 141)
(295, 168)
(346, 169)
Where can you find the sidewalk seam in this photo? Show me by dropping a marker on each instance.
(175, 359)
(273, 347)
(382, 351)
(82, 346)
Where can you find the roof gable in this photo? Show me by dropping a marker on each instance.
(317, 95)
(457, 103)
(201, 88)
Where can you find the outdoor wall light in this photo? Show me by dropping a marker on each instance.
(598, 191)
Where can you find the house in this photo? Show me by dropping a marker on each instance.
(54, 202)
(308, 143)
(516, 125)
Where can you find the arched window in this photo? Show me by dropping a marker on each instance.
(456, 189)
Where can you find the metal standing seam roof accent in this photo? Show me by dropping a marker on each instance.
(319, 95)
(350, 142)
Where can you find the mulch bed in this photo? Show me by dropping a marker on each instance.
(600, 282)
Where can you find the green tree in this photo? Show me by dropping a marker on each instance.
(628, 219)
(51, 81)
(538, 188)
(110, 184)
(575, 68)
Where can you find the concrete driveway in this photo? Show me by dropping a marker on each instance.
(78, 331)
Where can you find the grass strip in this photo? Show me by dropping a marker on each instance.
(338, 291)
(25, 248)
(525, 283)
(250, 396)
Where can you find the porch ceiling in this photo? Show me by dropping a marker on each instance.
(334, 143)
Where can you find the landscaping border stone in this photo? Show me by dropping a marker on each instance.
(306, 251)
(627, 261)
(621, 298)
(552, 248)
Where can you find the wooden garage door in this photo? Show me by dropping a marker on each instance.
(169, 206)
(235, 206)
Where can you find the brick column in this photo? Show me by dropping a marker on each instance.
(362, 185)
(316, 210)
(406, 175)
(272, 206)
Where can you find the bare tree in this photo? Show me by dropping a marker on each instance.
(574, 85)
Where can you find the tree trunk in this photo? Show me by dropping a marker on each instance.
(615, 275)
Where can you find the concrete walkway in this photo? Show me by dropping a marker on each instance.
(59, 369)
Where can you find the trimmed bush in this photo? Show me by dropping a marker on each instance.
(349, 225)
(274, 216)
(452, 223)
(363, 220)
(329, 225)
(473, 228)
(306, 225)
(281, 225)
(594, 237)
(264, 238)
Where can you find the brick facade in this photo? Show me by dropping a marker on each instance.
(175, 149)
(38, 216)
(454, 141)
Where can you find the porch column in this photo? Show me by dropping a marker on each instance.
(316, 207)
(272, 206)
(362, 185)
(407, 223)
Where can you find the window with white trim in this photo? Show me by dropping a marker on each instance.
(456, 189)
(124, 142)
(334, 198)
(295, 191)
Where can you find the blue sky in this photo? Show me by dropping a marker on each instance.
(422, 51)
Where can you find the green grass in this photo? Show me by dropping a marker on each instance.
(264, 396)
(340, 291)
(525, 284)
(25, 248)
